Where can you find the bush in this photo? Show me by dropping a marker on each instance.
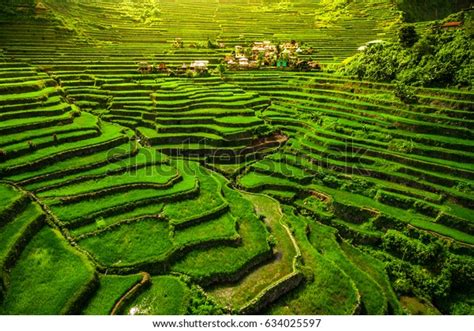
(454, 274)
(410, 279)
(272, 241)
(408, 36)
(332, 181)
(200, 304)
(423, 10)
(75, 113)
(220, 70)
(211, 45)
(438, 59)
(410, 249)
(263, 131)
(405, 93)
(462, 271)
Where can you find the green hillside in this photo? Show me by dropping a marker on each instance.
(295, 157)
(423, 10)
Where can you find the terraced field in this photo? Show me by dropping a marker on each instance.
(259, 191)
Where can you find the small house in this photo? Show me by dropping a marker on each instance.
(162, 67)
(243, 62)
(258, 47)
(144, 68)
(263, 47)
(253, 65)
(200, 65)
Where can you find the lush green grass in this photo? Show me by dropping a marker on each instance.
(127, 244)
(324, 241)
(85, 207)
(327, 291)
(167, 296)
(144, 158)
(158, 175)
(224, 227)
(374, 269)
(149, 209)
(79, 162)
(209, 198)
(203, 263)
(109, 131)
(12, 232)
(111, 288)
(278, 168)
(357, 159)
(8, 194)
(237, 295)
(256, 181)
(48, 277)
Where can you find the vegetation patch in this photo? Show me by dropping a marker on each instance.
(167, 295)
(298, 157)
(49, 278)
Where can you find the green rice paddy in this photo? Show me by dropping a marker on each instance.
(237, 192)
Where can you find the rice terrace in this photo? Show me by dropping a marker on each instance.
(209, 157)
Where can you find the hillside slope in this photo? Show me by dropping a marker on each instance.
(250, 191)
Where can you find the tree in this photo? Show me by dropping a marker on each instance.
(405, 93)
(408, 36)
(220, 70)
(211, 45)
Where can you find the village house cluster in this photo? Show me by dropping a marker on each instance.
(267, 54)
(261, 54)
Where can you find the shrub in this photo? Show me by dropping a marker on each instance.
(263, 131)
(454, 273)
(191, 74)
(407, 36)
(75, 113)
(272, 241)
(220, 70)
(332, 181)
(358, 185)
(405, 93)
(439, 59)
(200, 304)
(100, 223)
(211, 45)
(461, 270)
(423, 10)
(3, 154)
(412, 250)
